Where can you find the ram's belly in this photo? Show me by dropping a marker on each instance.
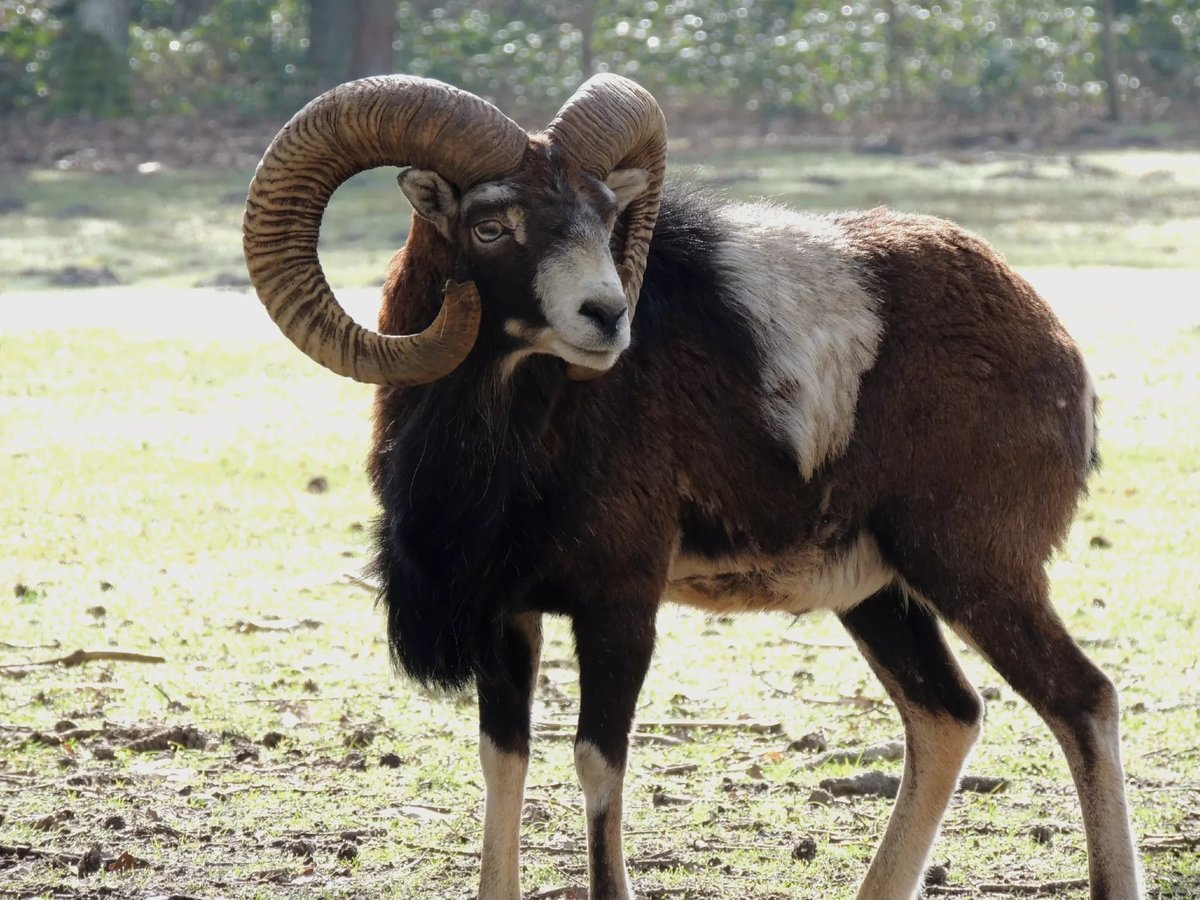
(811, 578)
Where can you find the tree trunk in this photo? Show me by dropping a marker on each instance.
(107, 19)
(186, 13)
(374, 30)
(895, 59)
(1108, 37)
(95, 48)
(586, 12)
(330, 34)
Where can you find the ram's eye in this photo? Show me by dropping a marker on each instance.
(489, 230)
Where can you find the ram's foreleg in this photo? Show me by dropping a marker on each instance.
(614, 643)
(504, 710)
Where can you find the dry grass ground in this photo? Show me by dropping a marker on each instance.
(179, 483)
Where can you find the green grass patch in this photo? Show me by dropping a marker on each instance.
(1123, 208)
(183, 228)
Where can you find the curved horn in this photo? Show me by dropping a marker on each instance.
(612, 123)
(396, 120)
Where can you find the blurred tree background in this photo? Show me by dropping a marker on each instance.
(763, 65)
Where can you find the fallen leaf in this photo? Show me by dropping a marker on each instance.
(54, 820)
(90, 861)
(805, 850)
(125, 862)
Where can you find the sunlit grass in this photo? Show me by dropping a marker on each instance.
(182, 229)
(167, 481)
(1105, 208)
(177, 472)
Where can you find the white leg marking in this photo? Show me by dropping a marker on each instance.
(504, 775)
(602, 787)
(1100, 781)
(936, 746)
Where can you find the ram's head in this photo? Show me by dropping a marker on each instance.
(530, 219)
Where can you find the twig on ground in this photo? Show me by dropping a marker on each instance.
(22, 851)
(889, 751)
(702, 846)
(681, 769)
(818, 645)
(751, 725)
(1170, 752)
(1172, 844)
(251, 626)
(445, 851)
(566, 892)
(9, 645)
(343, 833)
(659, 861)
(1046, 887)
(297, 699)
(774, 688)
(857, 700)
(567, 730)
(556, 851)
(79, 657)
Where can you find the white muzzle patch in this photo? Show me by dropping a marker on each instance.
(582, 299)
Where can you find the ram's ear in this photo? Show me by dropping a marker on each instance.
(417, 274)
(432, 197)
(628, 185)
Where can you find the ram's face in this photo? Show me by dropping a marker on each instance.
(538, 247)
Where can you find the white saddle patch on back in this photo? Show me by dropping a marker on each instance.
(817, 325)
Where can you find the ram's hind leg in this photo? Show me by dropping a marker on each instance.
(941, 714)
(1010, 620)
(504, 710)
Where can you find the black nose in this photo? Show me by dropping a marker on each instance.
(606, 318)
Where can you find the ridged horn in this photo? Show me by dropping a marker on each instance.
(613, 123)
(396, 120)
